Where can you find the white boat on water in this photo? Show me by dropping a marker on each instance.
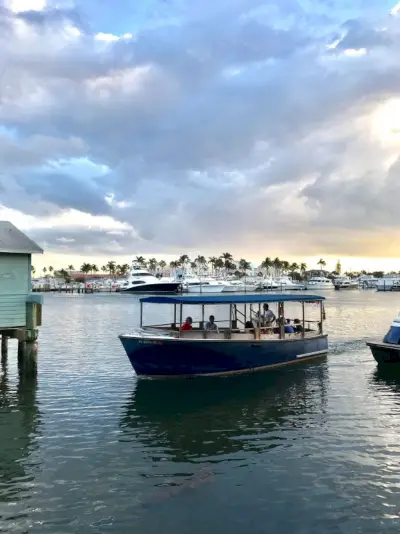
(193, 284)
(286, 283)
(345, 282)
(141, 281)
(389, 282)
(269, 283)
(234, 286)
(319, 282)
(367, 281)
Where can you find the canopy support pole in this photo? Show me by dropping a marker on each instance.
(180, 318)
(304, 320)
(141, 314)
(321, 309)
(281, 320)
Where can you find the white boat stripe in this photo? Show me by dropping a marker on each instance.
(308, 354)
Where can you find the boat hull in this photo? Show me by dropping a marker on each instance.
(167, 287)
(172, 357)
(205, 288)
(385, 353)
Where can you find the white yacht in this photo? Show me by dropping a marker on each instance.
(319, 283)
(367, 281)
(269, 283)
(193, 284)
(234, 286)
(389, 282)
(345, 282)
(141, 281)
(285, 283)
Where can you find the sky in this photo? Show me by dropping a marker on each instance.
(165, 127)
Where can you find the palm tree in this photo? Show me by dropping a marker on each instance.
(71, 268)
(193, 265)
(174, 265)
(104, 268)
(212, 260)
(294, 267)
(86, 268)
(94, 268)
(219, 264)
(277, 266)
(111, 266)
(44, 271)
(321, 263)
(285, 265)
(152, 264)
(244, 265)
(267, 264)
(140, 261)
(229, 266)
(201, 262)
(183, 260)
(303, 268)
(51, 269)
(124, 269)
(162, 264)
(33, 269)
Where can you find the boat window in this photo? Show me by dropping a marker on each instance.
(393, 336)
(138, 282)
(142, 274)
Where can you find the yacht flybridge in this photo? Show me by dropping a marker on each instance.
(141, 281)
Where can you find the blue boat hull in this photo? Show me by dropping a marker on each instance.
(180, 357)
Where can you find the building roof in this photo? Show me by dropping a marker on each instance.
(231, 299)
(13, 241)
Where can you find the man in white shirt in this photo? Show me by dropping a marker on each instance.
(268, 316)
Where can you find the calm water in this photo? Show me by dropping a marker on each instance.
(88, 448)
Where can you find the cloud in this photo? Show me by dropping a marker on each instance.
(244, 125)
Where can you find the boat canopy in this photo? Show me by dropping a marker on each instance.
(230, 299)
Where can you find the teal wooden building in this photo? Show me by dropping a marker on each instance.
(16, 299)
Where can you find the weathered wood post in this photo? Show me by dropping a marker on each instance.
(4, 348)
(27, 340)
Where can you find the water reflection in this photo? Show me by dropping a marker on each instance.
(188, 420)
(18, 433)
(387, 376)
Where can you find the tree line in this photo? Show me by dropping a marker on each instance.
(217, 264)
(223, 264)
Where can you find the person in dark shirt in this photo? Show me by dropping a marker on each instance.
(297, 326)
(187, 325)
(211, 325)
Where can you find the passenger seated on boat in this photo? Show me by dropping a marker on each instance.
(268, 316)
(297, 326)
(210, 324)
(289, 328)
(249, 324)
(256, 321)
(187, 325)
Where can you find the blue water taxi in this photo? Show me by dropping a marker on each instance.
(245, 339)
(387, 351)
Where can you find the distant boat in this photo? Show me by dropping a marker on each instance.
(389, 282)
(388, 350)
(318, 283)
(345, 282)
(141, 281)
(241, 343)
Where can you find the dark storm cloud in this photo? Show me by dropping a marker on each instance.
(218, 125)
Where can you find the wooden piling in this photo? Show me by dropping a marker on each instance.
(4, 348)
